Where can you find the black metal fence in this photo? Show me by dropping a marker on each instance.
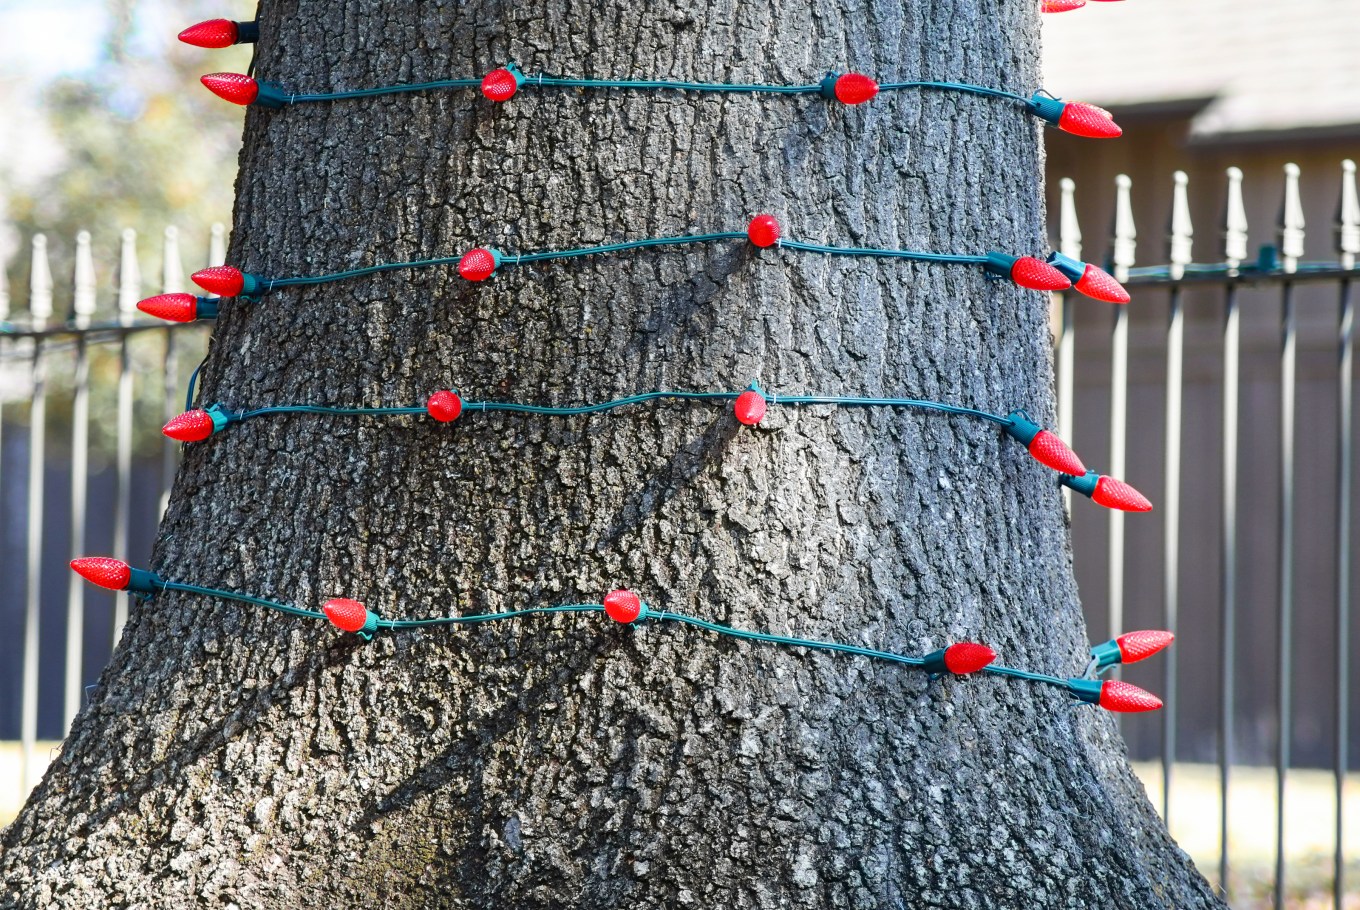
(1236, 378)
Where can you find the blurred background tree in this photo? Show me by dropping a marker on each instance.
(115, 135)
(111, 131)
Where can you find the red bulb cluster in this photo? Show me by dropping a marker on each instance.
(234, 87)
(220, 279)
(214, 33)
(1099, 284)
(477, 265)
(749, 407)
(103, 571)
(171, 307)
(345, 614)
(1117, 695)
(1089, 121)
(763, 230)
(622, 605)
(191, 426)
(1038, 275)
(967, 657)
(444, 406)
(1136, 646)
(854, 88)
(1116, 494)
(500, 85)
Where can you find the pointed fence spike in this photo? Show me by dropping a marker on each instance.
(1348, 217)
(1291, 221)
(1069, 231)
(217, 246)
(1181, 234)
(85, 295)
(172, 268)
(40, 284)
(4, 287)
(129, 277)
(1235, 222)
(1125, 234)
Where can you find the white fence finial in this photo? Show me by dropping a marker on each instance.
(1291, 221)
(1125, 235)
(217, 244)
(84, 299)
(40, 284)
(129, 277)
(1069, 231)
(1348, 217)
(1235, 222)
(172, 269)
(4, 290)
(1181, 234)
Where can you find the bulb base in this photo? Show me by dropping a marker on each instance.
(1106, 654)
(1049, 110)
(141, 581)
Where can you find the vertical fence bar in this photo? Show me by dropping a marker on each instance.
(83, 302)
(1180, 237)
(40, 310)
(1069, 244)
(129, 290)
(1348, 245)
(1235, 252)
(172, 282)
(1291, 238)
(1122, 259)
(4, 318)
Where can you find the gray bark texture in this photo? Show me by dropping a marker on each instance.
(237, 757)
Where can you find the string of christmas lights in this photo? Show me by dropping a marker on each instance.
(1058, 273)
(748, 406)
(624, 607)
(503, 83)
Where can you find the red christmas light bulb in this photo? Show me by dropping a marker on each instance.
(444, 406)
(1117, 695)
(1099, 284)
(1038, 275)
(1136, 646)
(345, 614)
(763, 230)
(234, 87)
(500, 85)
(191, 426)
(1115, 494)
(220, 279)
(967, 657)
(214, 33)
(103, 571)
(1089, 121)
(749, 407)
(622, 605)
(477, 265)
(171, 307)
(1049, 449)
(854, 88)
(1060, 6)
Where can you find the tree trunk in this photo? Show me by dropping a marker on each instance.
(237, 756)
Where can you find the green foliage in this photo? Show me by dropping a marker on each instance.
(140, 144)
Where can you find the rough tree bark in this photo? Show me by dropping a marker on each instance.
(232, 756)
